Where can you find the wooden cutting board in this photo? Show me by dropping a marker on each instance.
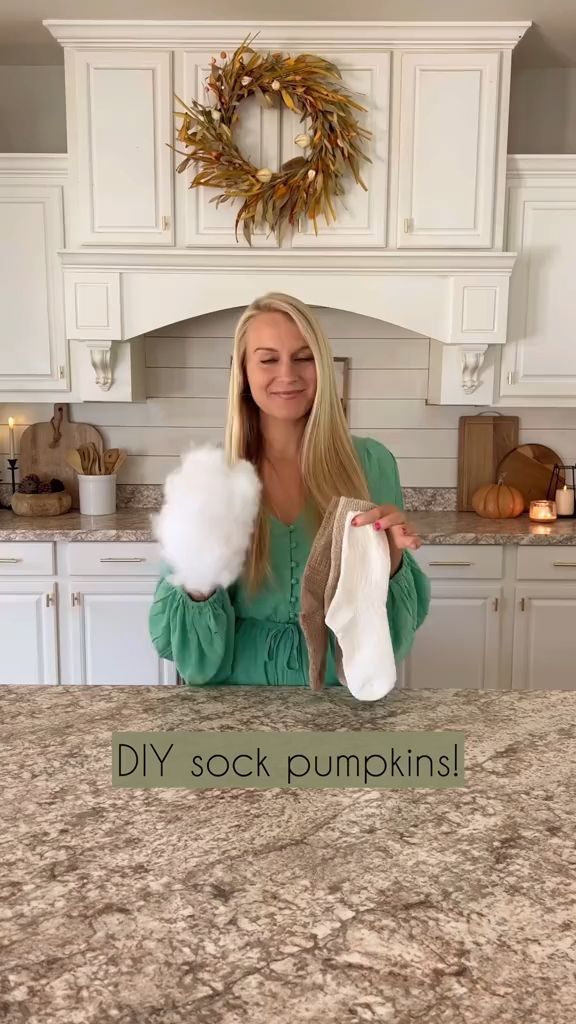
(483, 441)
(43, 448)
(529, 468)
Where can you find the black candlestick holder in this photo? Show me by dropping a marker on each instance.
(560, 469)
(13, 463)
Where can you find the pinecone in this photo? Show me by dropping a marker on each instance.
(56, 485)
(44, 488)
(29, 485)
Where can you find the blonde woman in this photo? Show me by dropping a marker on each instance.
(285, 417)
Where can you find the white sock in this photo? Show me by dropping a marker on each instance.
(357, 613)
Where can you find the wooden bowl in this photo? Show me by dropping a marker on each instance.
(53, 503)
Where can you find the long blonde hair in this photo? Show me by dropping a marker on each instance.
(328, 460)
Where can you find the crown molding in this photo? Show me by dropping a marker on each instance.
(345, 34)
(45, 165)
(352, 262)
(545, 165)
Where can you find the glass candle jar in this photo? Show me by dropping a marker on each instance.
(542, 511)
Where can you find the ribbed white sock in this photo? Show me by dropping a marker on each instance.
(357, 613)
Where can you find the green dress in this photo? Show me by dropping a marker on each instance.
(233, 637)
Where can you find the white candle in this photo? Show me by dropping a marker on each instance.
(565, 501)
(11, 437)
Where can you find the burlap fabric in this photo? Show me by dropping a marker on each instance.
(319, 582)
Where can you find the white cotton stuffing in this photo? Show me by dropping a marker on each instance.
(207, 519)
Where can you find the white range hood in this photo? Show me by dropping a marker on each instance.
(423, 248)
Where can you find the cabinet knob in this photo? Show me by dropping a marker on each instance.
(165, 223)
(408, 225)
(50, 599)
(76, 599)
(10, 561)
(510, 377)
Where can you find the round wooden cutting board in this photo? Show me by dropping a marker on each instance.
(43, 448)
(529, 468)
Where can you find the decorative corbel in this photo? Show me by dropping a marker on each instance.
(101, 359)
(472, 359)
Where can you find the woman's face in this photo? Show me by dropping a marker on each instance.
(280, 367)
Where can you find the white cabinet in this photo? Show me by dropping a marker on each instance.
(539, 358)
(266, 138)
(81, 617)
(545, 637)
(108, 634)
(458, 644)
(33, 345)
(448, 138)
(28, 632)
(119, 107)
(544, 652)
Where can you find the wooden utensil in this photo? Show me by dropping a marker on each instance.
(96, 463)
(483, 441)
(85, 453)
(529, 468)
(109, 458)
(119, 462)
(43, 449)
(73, 459)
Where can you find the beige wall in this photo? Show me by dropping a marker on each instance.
(32, 110)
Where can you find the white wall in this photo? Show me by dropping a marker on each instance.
(32, 109)
(187, 381)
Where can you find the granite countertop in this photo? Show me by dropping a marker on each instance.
(433, 527)
(172, 906)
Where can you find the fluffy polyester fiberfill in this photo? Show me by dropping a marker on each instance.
(206, 522)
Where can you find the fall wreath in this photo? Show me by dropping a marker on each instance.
(304, 186)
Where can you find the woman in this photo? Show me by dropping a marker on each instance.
(285, 416)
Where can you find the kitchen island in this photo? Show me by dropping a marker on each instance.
(235, 906)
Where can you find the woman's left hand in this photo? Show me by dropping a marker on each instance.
(400, 534)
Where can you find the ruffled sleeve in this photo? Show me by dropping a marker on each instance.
(198, 636)
(409, 589)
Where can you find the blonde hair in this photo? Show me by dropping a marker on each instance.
(329, 463)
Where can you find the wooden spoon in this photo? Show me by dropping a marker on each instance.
(96, 464)
(119, 462)
(109, 458)
(86, 457)
(73, 459)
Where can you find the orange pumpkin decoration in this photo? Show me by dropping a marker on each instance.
(498, 501)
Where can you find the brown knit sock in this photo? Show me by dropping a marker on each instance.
(345, 505)
(314, 581)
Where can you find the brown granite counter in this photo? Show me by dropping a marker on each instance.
(317, 906)
(433, 527)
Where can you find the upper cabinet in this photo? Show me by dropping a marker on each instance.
(539, 358)
(33, 345)
(119, 113)
(448, 133)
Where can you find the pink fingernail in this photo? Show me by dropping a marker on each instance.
(376, 526)
(354, 522)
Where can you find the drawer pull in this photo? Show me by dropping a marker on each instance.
(122, 559)
(450, 563)
(566, 565)
(10, 561)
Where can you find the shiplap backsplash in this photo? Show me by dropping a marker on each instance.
(187, 386)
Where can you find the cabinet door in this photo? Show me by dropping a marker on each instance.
(448, 110)
(258, 137)
(544, 652)
(120, 131)
(28, 633)
(33, 347)
(539, 358)
(458, 644)
(361, 215)
(108, 635)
